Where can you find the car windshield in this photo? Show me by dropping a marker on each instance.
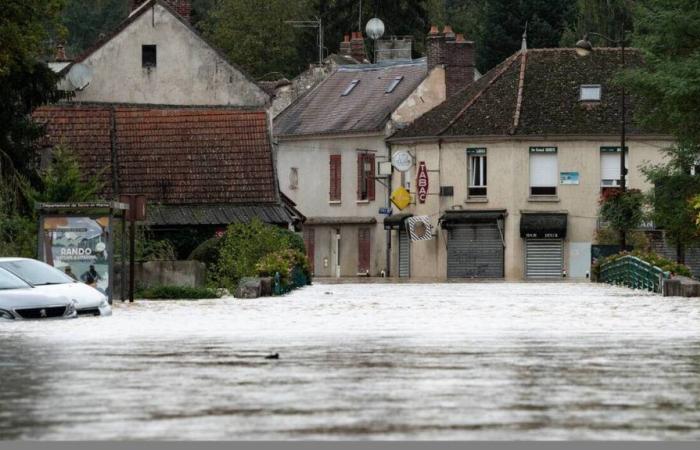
(35, 272)
(9, 281)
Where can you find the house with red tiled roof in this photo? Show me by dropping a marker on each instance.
(156, 110)
(331, 143)
(517, 162)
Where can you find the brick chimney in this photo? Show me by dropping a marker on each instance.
(60, 55)
(453, 52)
(345, 47)
(357, 46)
(182, 7)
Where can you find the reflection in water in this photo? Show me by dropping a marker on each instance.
(117, 378)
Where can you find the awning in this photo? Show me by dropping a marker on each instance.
(543, 225)
(396, 221)
(340, 221)
(473, 216)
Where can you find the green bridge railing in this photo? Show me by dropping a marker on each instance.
(635, 273)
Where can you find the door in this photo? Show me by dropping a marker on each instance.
(310, 244)
(475, 251)
(404, 253)
(544, 258)
(363, 251)
(579, 259)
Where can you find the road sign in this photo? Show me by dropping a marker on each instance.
(401, 198)
(386, 211)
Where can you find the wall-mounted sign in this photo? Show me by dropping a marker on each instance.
(422, 182)
(402, 160)
(476, 151)
(543, 149)
(384, 169)
(612, 149)
(420, 228)
(386, 211)
(401, 198)
(568, 178)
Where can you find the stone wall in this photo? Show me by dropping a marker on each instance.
(164, 273)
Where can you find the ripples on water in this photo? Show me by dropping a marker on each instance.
(474, 361)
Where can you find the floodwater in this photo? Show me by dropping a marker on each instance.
(407, 361)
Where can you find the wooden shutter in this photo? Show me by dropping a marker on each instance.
(364, 250)
(370, 177)
(309, 243)
(335, 174)
(360, 170)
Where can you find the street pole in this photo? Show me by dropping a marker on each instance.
(132, 248)
(623, 168)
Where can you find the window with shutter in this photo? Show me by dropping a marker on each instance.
(365, 176)
(610, 166)
(364, 250)
(543, 171)
(335, 178)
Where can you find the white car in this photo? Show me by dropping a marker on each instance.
(20, 301)
(46, 279)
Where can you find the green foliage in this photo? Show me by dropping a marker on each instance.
(207, 252)
(176, 293)
(608, 236)
(607, 17)
(18, 232)
(622, 210)
(64, 181)
(668, 87)
(243, 245)
(87, 23)
(673, 194)
(654, 259)
(283, 262)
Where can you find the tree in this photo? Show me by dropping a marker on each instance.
(608, 17)
(64, 181)
(672, 197)
(622, 210)
(86, 24)
(667, 87)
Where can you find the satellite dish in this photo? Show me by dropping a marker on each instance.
(80, 76)
(375, 28)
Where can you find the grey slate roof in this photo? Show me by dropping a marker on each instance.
(534, 94)
(324, 110)
(217, 214)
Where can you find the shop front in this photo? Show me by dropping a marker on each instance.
(475, 243)
(544, 234)
(397, 222)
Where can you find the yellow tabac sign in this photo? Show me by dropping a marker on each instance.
(401, 198)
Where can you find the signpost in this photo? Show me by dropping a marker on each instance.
(136, 213)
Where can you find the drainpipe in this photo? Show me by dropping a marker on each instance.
(388, 232)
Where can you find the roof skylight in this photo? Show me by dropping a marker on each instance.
(394, 83)
(350, 87)
(590, 92)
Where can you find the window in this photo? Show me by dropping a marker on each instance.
(477, 172)
(365, 176)
(590, 92)
(350, 87)
(543, 171)
(293, 178)
(610, 167)
(148, 56)
(394, 83)
(335, 173)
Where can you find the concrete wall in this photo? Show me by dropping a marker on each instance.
(188, 72)
(311, 158)
(508, 188)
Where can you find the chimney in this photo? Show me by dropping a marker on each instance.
(182, 7)
(455, 53)
(357, 46)
(345, 48)
(60, 55)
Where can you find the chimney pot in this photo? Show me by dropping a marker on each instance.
(60, 53)
(460, 38)
(346, 38)
(433, 30)
(448, 30)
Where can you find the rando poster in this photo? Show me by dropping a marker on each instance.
(79, 247)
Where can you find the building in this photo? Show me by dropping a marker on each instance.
(516, 164)
(157, 110)
(331, 141)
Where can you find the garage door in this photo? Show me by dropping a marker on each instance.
(404, 254)
(474, 251)
(544, 258)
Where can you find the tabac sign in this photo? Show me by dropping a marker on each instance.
(422, 182)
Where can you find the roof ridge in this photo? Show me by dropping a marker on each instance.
(519, 101)
(509, 63)
(303, 96)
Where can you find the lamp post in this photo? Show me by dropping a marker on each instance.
(585, 48)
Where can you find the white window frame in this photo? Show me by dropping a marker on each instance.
(589, 88)
(483, 174)
(538, 153)
(615, 181)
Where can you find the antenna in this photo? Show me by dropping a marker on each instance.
(318, 23)
(80, 76)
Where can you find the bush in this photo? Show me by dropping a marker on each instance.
(654, 259)
(608, 236)
(283, 261)
(176, 293)
(244, 245)
(207, 252)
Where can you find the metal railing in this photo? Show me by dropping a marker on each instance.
(635, 273)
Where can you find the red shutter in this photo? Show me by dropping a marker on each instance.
(370, 178)
(360, 160)
(364, 250)
(309, 243)
(335, 173)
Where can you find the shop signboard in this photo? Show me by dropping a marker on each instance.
(401, 198)
(569, 178)
(422, 182)
(402, 161)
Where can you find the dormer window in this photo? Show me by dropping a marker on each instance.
(394, 83)
(350, 87)
(590, 92)
(148, 56)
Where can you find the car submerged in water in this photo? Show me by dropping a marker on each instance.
(45, 279)
(20, 301)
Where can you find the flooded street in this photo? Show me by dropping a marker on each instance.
(408, 361)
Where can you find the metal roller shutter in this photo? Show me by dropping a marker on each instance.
(544, 258)
(475, 251)
(404, 254)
